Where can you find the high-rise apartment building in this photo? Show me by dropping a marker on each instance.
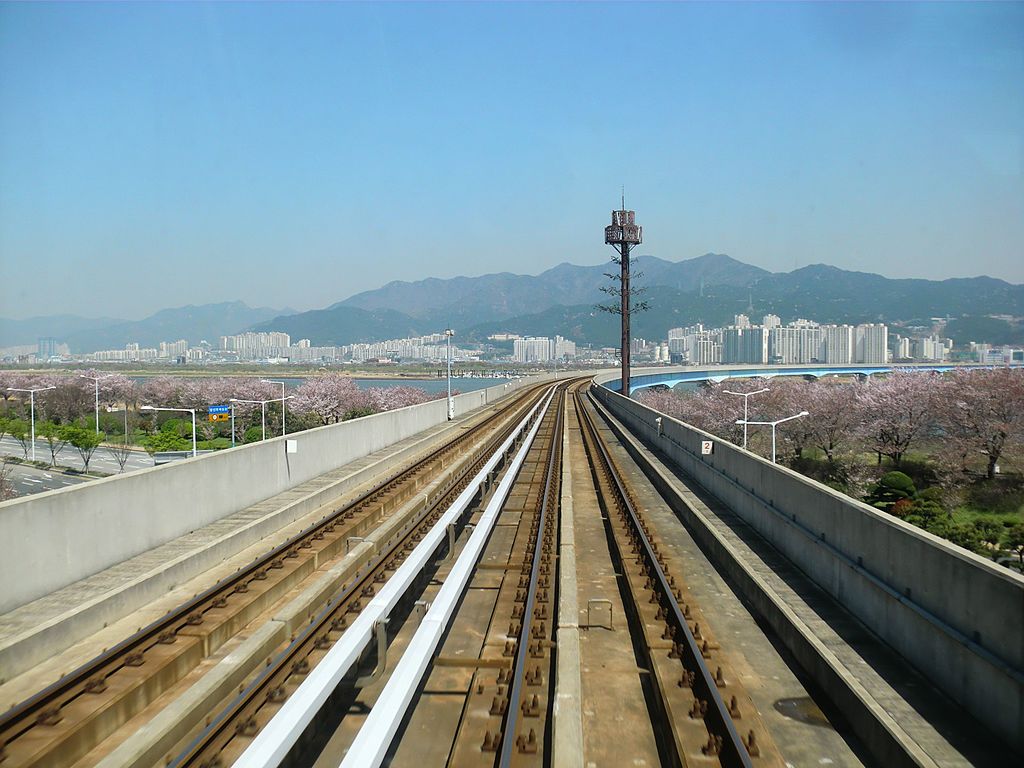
(837, 343)
(800, 342)
(705, 350)
(532, 349)
(745, 345)
(172, 348)
(871, 344)
(563, 349)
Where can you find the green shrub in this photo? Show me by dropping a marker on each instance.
(891, 488)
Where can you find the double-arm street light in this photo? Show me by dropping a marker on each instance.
(263, 410)
(284, 430)
(448, 332)
(96, 380)
(183, 410)
(773, 425)
(744, 395)
(32, 406)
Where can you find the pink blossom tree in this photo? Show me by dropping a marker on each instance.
(390, 398)
(898, 409)
(329, 398)
(835, 415)
(981, 412)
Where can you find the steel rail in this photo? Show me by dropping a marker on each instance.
(733, 752)
(513, 711)
(26, 715)
(373, 740)
(275, 740)
(347, 650)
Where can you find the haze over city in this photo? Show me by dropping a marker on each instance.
(293, 155)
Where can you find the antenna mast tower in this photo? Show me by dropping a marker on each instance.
(623, 235)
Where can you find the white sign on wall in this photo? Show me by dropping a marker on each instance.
(293, 446)
(707, 447)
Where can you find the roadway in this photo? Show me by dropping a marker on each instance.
(27, 480)
(68, 456)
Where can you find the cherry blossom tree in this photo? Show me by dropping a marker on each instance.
(786, 396)
(898, 409)
(329, 397)
(160, 390)
(6, 488)
(835, 415)
(981, 412)
(390, 398)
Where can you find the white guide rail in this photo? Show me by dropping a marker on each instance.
(374, 738)
(273, 743)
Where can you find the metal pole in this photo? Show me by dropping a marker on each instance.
(193, 433)
(448, 338)
(284, 429)
(625, 318)
(32, 408)
(232, 425)
(97, 382)
(263, 415)
(773, 442)
(745, 421)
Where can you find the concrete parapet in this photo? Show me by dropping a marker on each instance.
(59, 537)
(957, 617)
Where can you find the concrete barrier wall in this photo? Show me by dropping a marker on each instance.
(55, 538)
(957, 617)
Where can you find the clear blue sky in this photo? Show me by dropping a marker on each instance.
(153, 155)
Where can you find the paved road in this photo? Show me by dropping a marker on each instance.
(101, 460)
(26, 480)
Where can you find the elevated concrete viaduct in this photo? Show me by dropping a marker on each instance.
(856, 597)
(956, 616)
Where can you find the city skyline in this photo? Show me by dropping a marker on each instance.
(297, 155)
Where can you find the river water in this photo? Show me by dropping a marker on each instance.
(433, 386)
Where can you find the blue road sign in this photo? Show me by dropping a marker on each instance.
(219, 409)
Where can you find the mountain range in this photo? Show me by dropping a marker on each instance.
(562, 300)
(709, 289)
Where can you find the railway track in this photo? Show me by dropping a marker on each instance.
(505, 684)
(701, 711)
(507, 714)
(63, 722)
(233, 731)
(490, 705)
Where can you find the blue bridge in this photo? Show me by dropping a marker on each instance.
(645, 378)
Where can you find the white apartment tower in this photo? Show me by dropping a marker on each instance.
(871, 344)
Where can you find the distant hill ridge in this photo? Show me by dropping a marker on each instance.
(561, 301)
(506, 295)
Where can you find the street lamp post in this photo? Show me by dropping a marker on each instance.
(773, 425)
(263, 410)
(96, 380)
(745, 395)
(32, 407)
(284, 430)
(183, 410)
(448, 332)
